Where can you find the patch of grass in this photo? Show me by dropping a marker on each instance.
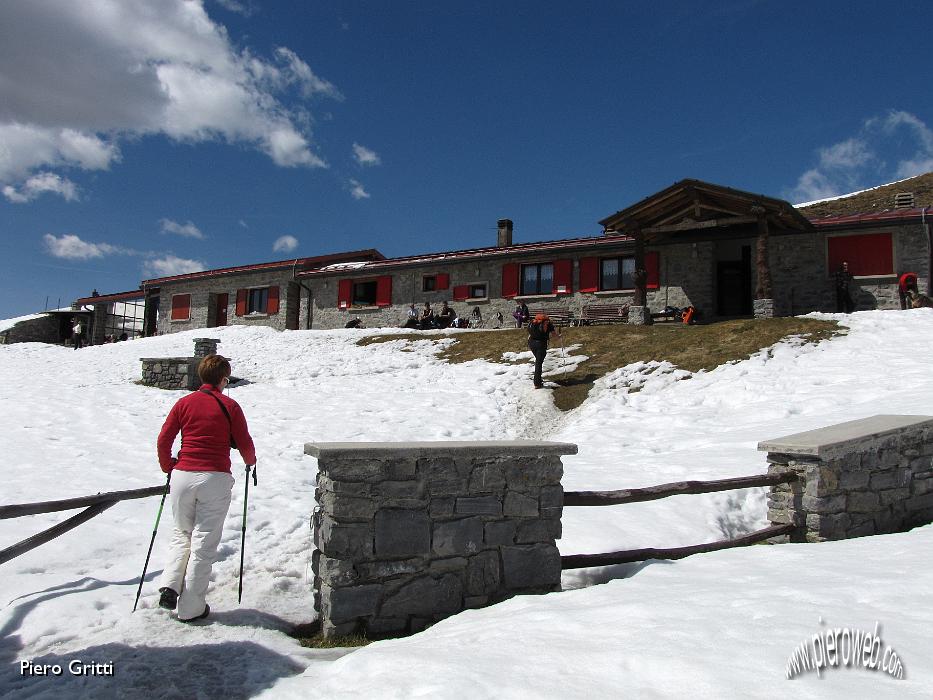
(309, 635)
(608, 347)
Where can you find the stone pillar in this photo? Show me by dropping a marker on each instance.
(205, 346)
(864, 477)
(639, 316)
(98, 324)
(410, 533)
(763, 308)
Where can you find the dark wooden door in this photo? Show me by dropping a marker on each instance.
(734, 285)
(220, 312)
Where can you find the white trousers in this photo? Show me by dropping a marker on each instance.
(200, 501)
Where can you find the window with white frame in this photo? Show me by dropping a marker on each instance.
(537, 278)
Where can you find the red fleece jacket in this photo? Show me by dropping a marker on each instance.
(205, 434)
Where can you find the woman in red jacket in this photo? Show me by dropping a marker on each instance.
(210, 424)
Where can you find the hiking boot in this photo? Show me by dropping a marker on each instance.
(168, 599)
(207, 611)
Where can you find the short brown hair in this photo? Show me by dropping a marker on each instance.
(213, 369)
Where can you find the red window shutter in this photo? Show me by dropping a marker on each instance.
(510, 280)
(652, 267)
(443, 281)
(273, 306)
(344, 294)
(384, 291)
(241, 302)
(589, 274)
(563, 276)
(181, 307)
(868, 254)
(461, 292)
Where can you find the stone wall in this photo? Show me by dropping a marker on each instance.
(864, 477)
(409, 533)
(45, 329)
(685, 278)
(802, 282)
(171, 372)
(178, 372)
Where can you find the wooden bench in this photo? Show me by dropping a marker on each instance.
(559, 317)
(604, 313)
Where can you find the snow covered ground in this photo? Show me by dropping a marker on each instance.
(715, 625)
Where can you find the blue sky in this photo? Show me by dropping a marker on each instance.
(140, 138)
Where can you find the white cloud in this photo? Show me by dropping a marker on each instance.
(894, 146)
(245, 9)
(39, 184)
(357, 191)
(129, 68)
(72, 247)
(169, 265)
(285, 244)
(243, 223)
(188, 230)
(299, 73)
(365, 156)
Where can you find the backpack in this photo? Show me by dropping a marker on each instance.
(539, 330)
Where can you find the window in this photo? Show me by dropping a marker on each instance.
(125, 317)
(435, 283)
(617, 273)
(181, 307)
(364, 293)
(258, 301)
(868, 254)
(371, 292)
(464, 292)
(537, 279)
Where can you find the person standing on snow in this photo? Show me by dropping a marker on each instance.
(539, 332)
(210, 424)
(78, 332)
(844, 303)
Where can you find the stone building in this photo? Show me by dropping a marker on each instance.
(726, 252)
(266, 294)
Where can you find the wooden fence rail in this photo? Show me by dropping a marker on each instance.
(580, 561)
(651, 493)
(97, 505)
(17, 511)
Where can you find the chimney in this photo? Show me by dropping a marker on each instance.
(505, 233)
(904, 200)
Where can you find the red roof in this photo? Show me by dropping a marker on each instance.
(299, 263)
(119, 296)
(491, 251)
(874, 217)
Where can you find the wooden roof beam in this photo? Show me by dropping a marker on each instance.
(694, 225)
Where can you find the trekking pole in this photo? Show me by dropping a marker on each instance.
(155, 529)
(239, 597)
(561, 336)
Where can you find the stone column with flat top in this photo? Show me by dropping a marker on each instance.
(409, 533)
(863, 477)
